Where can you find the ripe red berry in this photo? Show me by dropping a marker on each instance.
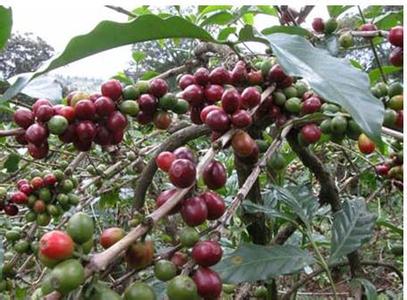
(21, 182)
(311, 133)
(218, 120)
(241, 119)
(37, 183)
(111, 236)
(103, 136)
(82, 145)
(56, 245)
(207, 253)
(276, 74)
(193, 94)
(164, 196)
(368, 27)
(214, 175)
(117, 137)
(158, 87)
(318, 25)
(179, 259)
(104, 106)
(162, 120)
(195, 114)
(164, 160)
(239, 73)
(69, 135)
(144, 118)
(396, 57)
(206, 111)
(182, 173)
(399, 120)
(68, 112)
(11, 209)
(85, 131)
(23, 117)
(396, 36)
(382, 169)
(186, 80)
(202, 76)
(26, 189)
(288, 81)
(112, 89)
(44, 113)
(50, 179)
(93, 97)
(255, 78)
(251, 97)
(214, 204)
(230, 100)
(148, 103)
(36, 134)
(213, 93)
(220, 76)
(20, 138)
(19, 198)
(184, 153)
(116, 121)
(194, 211)
(311, 105)
(85, 110)
(39, 103)
(365, 145)
(208, 283)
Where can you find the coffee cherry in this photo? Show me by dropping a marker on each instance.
(164, 196)
(208, 283)
(20, 138)
(207, 110)
(239, 73)
(85, 110)
(50, 179)
(318, 25)
(39, 103)
(10, 209)
(250, 97)
(23, 117)
(220, 76)
(112, 89)
(144, 118)
(69, 135)
(214, 204)
(346, 40)
(19, 198)
(148, 103)
(214, 175)
(188, 237)
(201, 76)
(181, 107)
(193, 94)
(104, 106)
(186, 80)
(158, 87)
(195, 114)
(288, 81)
(276, 74)
(396, 57)
(230, 100)
(243, 144)
(311, 133)
(117, 137)
(130, 92)
(85, 131)
(26, 189)
(103, 136)
(181, 287)
(162, 120)
(164, 270)
(339, 124)
(116, 122)
(56, 245)
(311, 105)
(399, 120)
(365, 145)
(44, 113)
(82, 146)
(57, 125)
(218, 120)
(184, 153)
(382, 169)
(330, 26)
(213, 92)
(140, 255)
(111, 236)
(194, 211)
(36, 134)
(255, 78)
(293, 105)
(39, 207)
(241, 119)
(164, 160)
(38, 152)
(396, 36)
(207, 253)
(168, 101)
(182, 173)
(21, 182)
(368, 27)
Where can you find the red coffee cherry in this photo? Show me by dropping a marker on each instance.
(26, 189)
(218, 121)
(164, 160)
(148, 103)
(37, 183)
(21, 182)
(311, 133)
(276, 74)
(44, 113)
(193, 94)
(368, 27)
(208, 283)
(318, 25)
(251, 97)
(111, 236)
(39, 103)
(117, 137)
(382, 169)
(230, 100)
(255, 78)
(85, 131)
(36, 134)
(207, 110)
(214, 175)
(38, 152)
(195, 114)
(186, 80)
(365, 144)
(201, 76)
(112, 89)
(66, 111)
(20, 138)
(158, 87)
(11, 209)
(69, 135)
(213, 93)
(104, 106)
(103, 136)
(399, 120)
(164, 196)
(144, 118)
(220, 76)
(50, 179)
(19, 198)
(214, 204)
(85, 110)
(207, 253)
(162, 120)
(243, 144)
(185, 153)
(239, 73)
(396, 57)
(23, 117)
(82, 146)
(56, 245)
(311, 105)
(396, 36)
(194, 211)
(116, 122)
(241, 119)
(182, 173)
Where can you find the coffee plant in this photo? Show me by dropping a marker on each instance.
(239, 174)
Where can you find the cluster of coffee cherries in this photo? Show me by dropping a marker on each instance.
(392, 168)
(392, 97)
(396, 39)
(45, 196)
(324, 27)
(57, 250)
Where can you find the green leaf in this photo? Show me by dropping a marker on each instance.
(393, 228)
(351, 228)
(332, 78)
(142, 10)
(249, 34)
(389, 20)
(336, 10)
(108, 34)
(138, 56)
(250, 263)
(369, 288)
(6, 22)
(203, 10)
(122, 77)
(248, 18)
(300, 199)
(11, 163)
(253, 208)
(286, 29)
(375, 74)
(356, 64)
(219, 18)
(148, 75)
(225, 32)
(109, 199)
(268, 10)
(373, 11)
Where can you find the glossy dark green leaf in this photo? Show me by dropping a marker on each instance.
(249, 34)
(6, 21)
(389, 20)
(225, 32)
(205, 9)
(373, 11)
(250, 263)
(332, 78)
(218, 18)
(375, 74)
(253, 208)
(286, 29)
(11, 163)
(148, 75)
(267, 9)
(248, 18)
(336, 10)
(108, 34)
(352, 227)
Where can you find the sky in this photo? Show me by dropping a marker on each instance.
(58, 21)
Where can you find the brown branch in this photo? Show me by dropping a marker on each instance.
(304, 12)
(370, 34)
(74, 163)
(12, 132)
(121, 10)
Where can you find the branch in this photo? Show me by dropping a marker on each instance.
(74, 164)
(121, 10)
(393, 133)
(12, 132)
(370, 34)
(304, 12)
